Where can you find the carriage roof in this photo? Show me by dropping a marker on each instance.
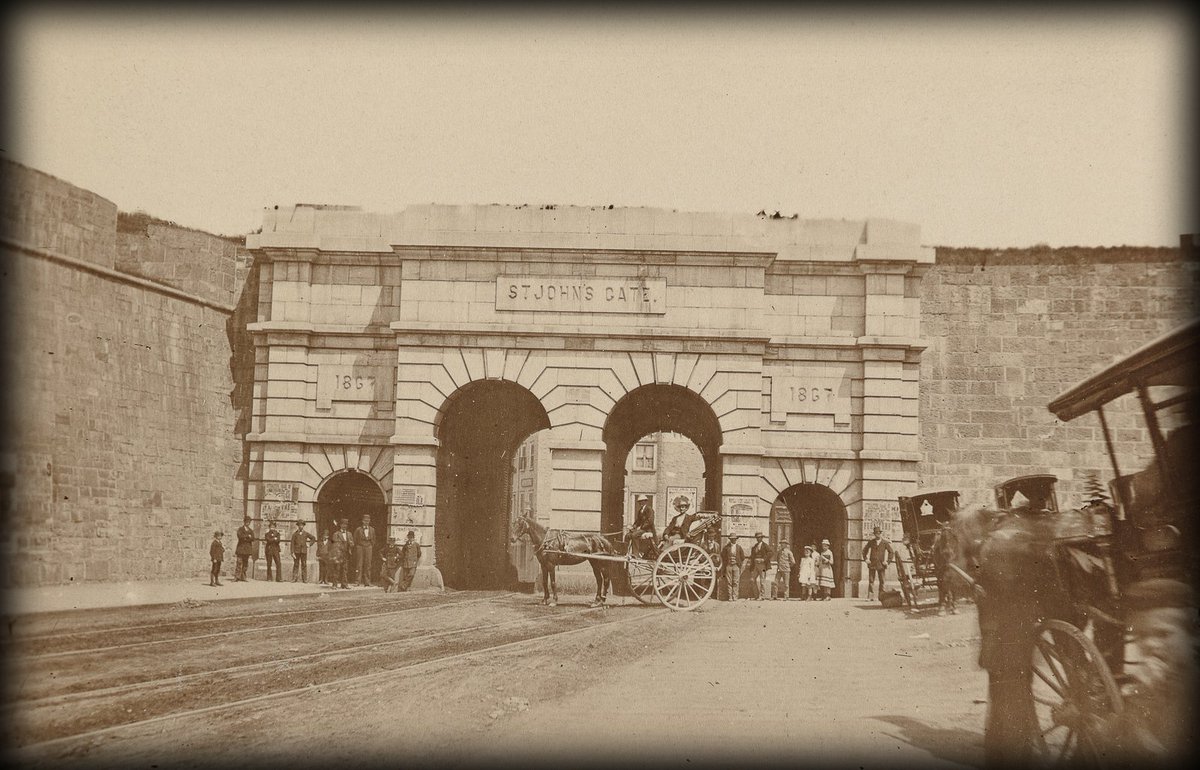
(1166, 360)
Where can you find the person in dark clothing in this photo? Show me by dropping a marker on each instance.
(244, 550)
(325, 574)
(760, 562)
(390, 565)
(300, 542)
(877, 553)
(409, 559)
(216, 552)
(364, 547)
(339, 554)
(643, 534)
(272, 539)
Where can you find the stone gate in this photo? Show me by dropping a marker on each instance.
(402, 358)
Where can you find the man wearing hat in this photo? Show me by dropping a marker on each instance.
(244, 550)
(760, 562)
(643, 534)
(410, 557)
(784, 565)
(364, 547)
(272, 539)
(216, 554)
(877, 553)
(733, 556)
(338, 555)
(301, 540)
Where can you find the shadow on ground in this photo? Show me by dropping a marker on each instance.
(955, 745)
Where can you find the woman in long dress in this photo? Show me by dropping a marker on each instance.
(825, 571)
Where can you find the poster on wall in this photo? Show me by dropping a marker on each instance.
(740, 515)
(884, 514)
(677, 494)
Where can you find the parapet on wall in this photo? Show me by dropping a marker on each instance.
(121, 433)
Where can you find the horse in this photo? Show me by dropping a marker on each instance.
(553, 547)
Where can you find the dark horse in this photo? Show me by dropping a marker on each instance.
(553, 548)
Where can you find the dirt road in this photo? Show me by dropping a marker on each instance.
(503, 680)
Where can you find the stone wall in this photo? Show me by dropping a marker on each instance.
(122, 428)
(1008, 331)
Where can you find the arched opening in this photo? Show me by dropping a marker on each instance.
(816, 513)
(351, 495)
(647, 411)
(481, 426)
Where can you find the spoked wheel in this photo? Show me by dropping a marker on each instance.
(641, 580)
(684, 576)
(1075, 696)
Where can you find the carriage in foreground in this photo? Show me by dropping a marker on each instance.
(1102, 554)
(679, 572)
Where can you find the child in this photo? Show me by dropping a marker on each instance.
(216, 552)
(808, 575)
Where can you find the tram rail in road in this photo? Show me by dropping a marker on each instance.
(91, 714)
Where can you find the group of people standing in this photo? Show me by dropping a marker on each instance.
(814, 569)
(341, 556)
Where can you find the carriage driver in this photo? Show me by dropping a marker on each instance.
(643, 534)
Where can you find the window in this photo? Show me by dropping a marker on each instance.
(644, 458)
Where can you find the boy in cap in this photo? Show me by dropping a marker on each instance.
(877, 553)
(784, 565)
(216, 552)
(390, 559)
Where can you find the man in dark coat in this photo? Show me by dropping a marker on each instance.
(272, 539)
(244, 549)
(338, 555)
(410, 557)
(643, 534)
(877, 553)
(216, 552)
(364, 547)
(300, 543)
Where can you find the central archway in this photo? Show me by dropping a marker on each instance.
(657, 409)
(480, 427)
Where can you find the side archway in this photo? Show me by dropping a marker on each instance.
(479, 429)
(817, 513)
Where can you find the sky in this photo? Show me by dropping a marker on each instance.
(990, 130)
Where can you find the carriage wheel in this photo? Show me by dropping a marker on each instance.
(684, 576)
(640, 574)
(1075, 695)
